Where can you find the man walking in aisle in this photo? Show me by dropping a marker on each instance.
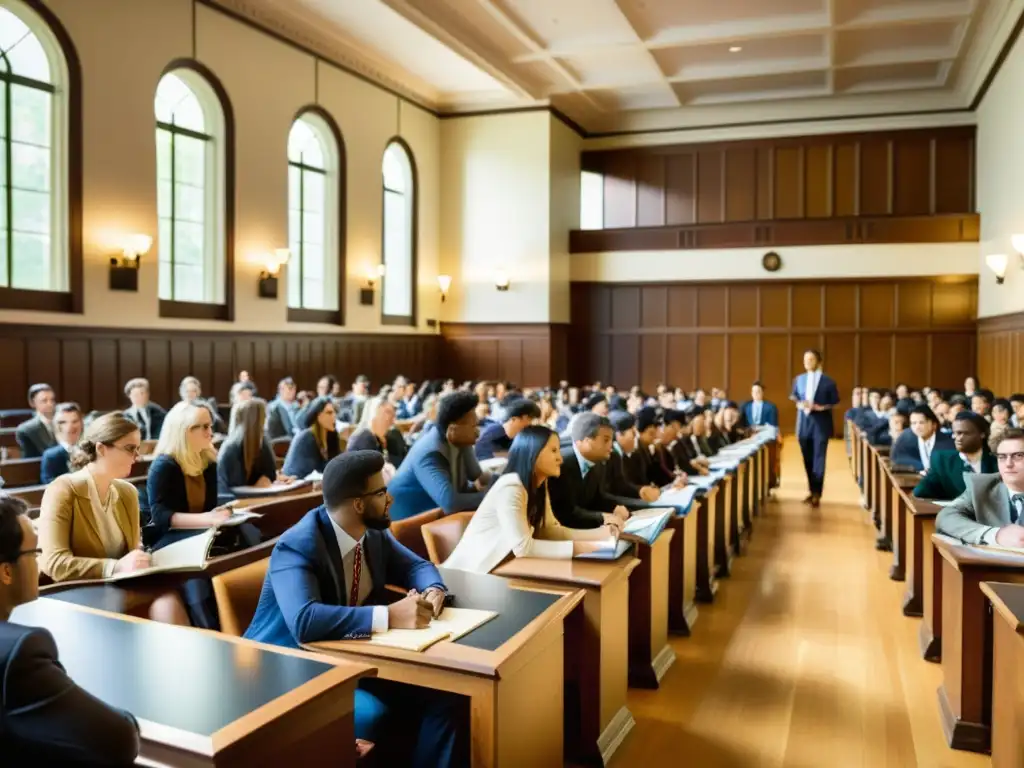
(815, 394)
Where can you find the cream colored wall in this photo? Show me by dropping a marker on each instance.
(1000, 181)
(495, 192)
(565, 214)
(124, 46)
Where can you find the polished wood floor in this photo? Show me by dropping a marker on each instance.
(804, 660)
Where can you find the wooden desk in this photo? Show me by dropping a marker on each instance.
(682, 572)
(202, 698)
(924, 583)
(707, 512)
(596, 649)
(898, 484)
(724, 531)
(1007, 674)
(966, 691)
(650, 655)
(511, 668)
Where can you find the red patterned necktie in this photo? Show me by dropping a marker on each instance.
(357, 565)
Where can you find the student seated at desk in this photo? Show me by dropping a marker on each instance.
(327, 581)
(981, 403)
(914, 447)
(89, 523)
(897, 426)
(854, 411)
(147, 415)
(47, 719)
(728, 426)
(515, 516)
(649, 464)
(441, 469)
(283, 411)
(945, 477)
(318, 443)
(67, 425)
(686, 452)
(497, 438)
(245, 458)
(191, 391)
(991, 508)
(1017, 406)
(36, 435)
(758, 412)
(379, 434)
(699, 435)
(627, 452)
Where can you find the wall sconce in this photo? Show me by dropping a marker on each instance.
(1018, 245)
(124, 269)
(997, 263)
(501, 281)
(366, 293)
(444, 282)
(271, 271)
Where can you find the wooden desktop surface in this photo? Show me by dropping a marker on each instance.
(1007, 674)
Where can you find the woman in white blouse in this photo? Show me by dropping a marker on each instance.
(515, 516)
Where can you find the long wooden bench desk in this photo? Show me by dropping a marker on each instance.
(650, 655)
(1007, 673)
(897, 483)
(205, 699)
(682, 572)
(707, 525)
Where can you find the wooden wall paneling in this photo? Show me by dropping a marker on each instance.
(875, 360)
(602, 358)
(654, 307)
(202, 367)
(620, 190)
(743, 370)
(14, 383)
(741, 184)
(954, 174)
(681, 189)
(743, 306)
(682, 306)
(225, 372)
(845, 179)
(625, 306)
(650, 194)
(76, 380)
(261, 361)
(157, 370)
(130, 363)
(877, 305)
(625, 360)
(765, 183)
(43, 363)
(954, 359)
(912, 359)
(535, 356)
(806, 305)
(789, 183)
(840, 351)
(106, 385)
(818, 181)
(279, 361)
(914, 304)
(510, 361)
(712, 306)
(774, 304)
(800, 343)
(841, 305)
(912, 176)
(711, 359)
(681, 362)
(181, 365)
(652, 360)
(875, 178)
(954, 303)
(710, 186)
(773, 348)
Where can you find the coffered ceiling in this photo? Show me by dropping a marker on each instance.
(611, 64)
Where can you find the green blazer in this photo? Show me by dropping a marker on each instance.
(945, 478)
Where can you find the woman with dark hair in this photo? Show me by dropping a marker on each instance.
(245, 459)
(971, 387)
(515, 517)
(317, 444)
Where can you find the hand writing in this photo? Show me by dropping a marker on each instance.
(411, 612)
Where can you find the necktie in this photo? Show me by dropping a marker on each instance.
(1016, 507)
(357, 566)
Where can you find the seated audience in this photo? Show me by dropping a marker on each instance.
(317, 444)
(687, 458)
(699, 436)
(991, 508)
(350, 406)
(147, 415)
(496, 439)
(914, 447)
(191, 391)
(36, 435)
(245, 458)
(596, 403)
(410, 403)
(1017, 407)
(441, 469)
(67, 423)
(626, 465)
(970, 387)
(758, 412)
(89, 519)
(47, 719)
(729, 430)
(945, 477)
(903, 402)
(424, 420)
(981, 403)
(241, 391)
(1002, 412)
(380, 434)
(483, 415)
(283, 411)
(327, 581)
(515, 516)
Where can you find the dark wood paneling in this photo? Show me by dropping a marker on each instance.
(682, 306)
(743, 306)
(652, 361)
(710, 185)
(875, 368)
(654, 307)
(789, 183)
(533, 355)
(806, 305)
(742, 368)
(105, 383)
(741, 184)
(765, 183)
(711, 358)
(954, 162)
(712, 302)
(911, 358)
(681, 190)
(1000, 353)
(912, 176)
(620, 191)
(818, 181)
(650, 182)
(681, 361)
(875, 178)
(840, 350)
(914, 305)
(841, 305)
(877, 305)
(845, 179)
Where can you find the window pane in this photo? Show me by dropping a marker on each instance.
(313, 298)
(397, 256)
(31, 212)
(294, 175)
(31, 167)
(312, 228)
(293, 277)
(28, 59)
(190, 203)
(312, 261)
(188, 283)
(591, 200)
(30, 115)
(3, 107)
(165, 276)
(31, 262)
(395, 163)
(175, 103)
(188, 244)
(12, 29)
(314, 198)
(163, 199)
(3, 256)
(163, 154)
(189, 160)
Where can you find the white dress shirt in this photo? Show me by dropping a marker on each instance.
(974, 465)
(347, 545)
(695, 442)
(813, 379)
(925, 448)
(755, 411)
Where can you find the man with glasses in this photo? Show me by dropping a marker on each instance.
(47, 719)
(327, 581)
(991, 510)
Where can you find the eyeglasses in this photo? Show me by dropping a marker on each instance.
(131, 450)
(369, 494)
(1017, 456)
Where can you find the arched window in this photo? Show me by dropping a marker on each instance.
(315, 168)
(191, 141)
(36, 248)
(399, 234)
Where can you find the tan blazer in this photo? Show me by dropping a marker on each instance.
(69, 533)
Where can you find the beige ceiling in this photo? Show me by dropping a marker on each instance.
(616, 64)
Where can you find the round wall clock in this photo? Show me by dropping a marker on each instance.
(771, 261)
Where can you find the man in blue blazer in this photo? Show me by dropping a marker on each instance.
(758, 412)
(327, 581)
(815, 395)
(67, 424)
(148, 415)
(441, 469)
(914, 447)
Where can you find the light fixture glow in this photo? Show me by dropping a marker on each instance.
(997, 263)
(134, 246)
(1018, 243)
(501, 280)
(735, 48)
(444, 282)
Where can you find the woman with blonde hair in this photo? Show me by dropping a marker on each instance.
(246, 458)
(89, 525)
(318, 443)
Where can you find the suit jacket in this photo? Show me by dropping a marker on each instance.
(984, 505)
(634, 467)
(492, 440)
(304, 454)
(769, 414)
(905, 451)
(231, 466)
(47, 719)
(618, 482)
(580, 502)
(282, 420)
(34, 438)
(816, 423)
(945, 478)
(69, 533)
(683, 452)
(54, 464)
(304, 592)
(424, 480)
(156, 420)
(166, 496)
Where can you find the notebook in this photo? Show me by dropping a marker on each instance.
(452, 624)
(186, 555)
(647, 524)
(608, 553)
(679, 497)
(273, 490)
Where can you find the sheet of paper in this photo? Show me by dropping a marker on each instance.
(185, 555)
(314, 477)
(942, 503)
(648, 524)
(452, 624)
(239, 516)
(607, 553)
(461, 621)
(249, 490)
(495, 465)
(681, 497)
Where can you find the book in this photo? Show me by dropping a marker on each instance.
(608, 553)
(452, 624)
(272, 490)
(188, 554)
(679, 497)
(646, 525)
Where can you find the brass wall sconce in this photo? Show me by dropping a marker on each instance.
(124, 269)
(268, 280)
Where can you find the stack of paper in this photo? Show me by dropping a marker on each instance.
(608, 553)
(647, 524)
(452, 624)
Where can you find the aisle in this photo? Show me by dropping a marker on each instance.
(804, 660)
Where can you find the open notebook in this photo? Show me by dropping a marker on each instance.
(1010, 554)
(645, 525)
(678, 497)
(188, 554)
(608, 553)
(452, 624)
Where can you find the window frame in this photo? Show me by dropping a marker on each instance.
(224, 184)
(403, 320)
(328, 316)
(66, 165)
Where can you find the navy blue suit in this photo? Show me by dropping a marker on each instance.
(303, 601)
(905, 451)
(424, 480)
(769, 414)
(814, 429)
(53, 464)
